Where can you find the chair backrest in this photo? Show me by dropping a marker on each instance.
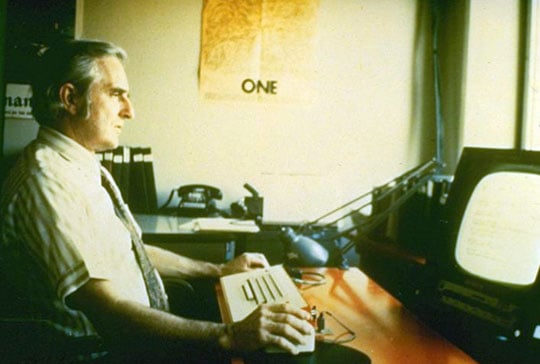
(40, 342)
(6, 163)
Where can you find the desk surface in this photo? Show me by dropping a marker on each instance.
(385, 330)
(167, 224)
(167, 229)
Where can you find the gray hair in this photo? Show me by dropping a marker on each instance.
(73, 62)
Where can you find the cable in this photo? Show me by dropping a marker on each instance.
(169, 199)
(338, 339)
(439, 120)
(298, 276)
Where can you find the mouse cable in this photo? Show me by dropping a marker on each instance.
(338, 339)
(307, 278)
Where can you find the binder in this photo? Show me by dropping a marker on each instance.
(125, 173)
(138, 190)
(116, 168)
(150, 182)
(133, 171)
(106, 159)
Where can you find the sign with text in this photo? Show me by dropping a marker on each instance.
(18, 103)
(260, 50)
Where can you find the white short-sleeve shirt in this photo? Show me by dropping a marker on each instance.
(59, 229)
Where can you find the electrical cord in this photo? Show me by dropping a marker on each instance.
(306, 278)
(317, 279)
(342, 338)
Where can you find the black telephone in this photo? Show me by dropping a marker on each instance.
(196, 200)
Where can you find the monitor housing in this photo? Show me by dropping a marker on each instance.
(489, 255)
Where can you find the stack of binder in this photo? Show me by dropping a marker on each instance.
(133, 171)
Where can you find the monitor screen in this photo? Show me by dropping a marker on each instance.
(499, 235)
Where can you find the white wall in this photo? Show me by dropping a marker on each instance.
(373, 118)
(364, 128)
(492, 81)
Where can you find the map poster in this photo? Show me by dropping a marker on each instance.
(258, 50)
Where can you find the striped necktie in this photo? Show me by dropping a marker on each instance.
(154, 286)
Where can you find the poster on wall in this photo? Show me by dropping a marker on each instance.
(18, 103)
(259, 50)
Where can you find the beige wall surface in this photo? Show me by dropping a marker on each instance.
(492, 83)
(372, 117)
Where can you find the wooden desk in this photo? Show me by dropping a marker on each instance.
(385, 330)
(177, 230)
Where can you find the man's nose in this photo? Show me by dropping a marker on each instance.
(127, 112)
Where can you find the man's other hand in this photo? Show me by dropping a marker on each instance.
(244, 263)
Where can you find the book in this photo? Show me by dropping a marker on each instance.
(125, 176)
(149, 180)
(138, 190)
(116, 166)
(108, 159)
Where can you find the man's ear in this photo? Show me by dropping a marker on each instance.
(68, 97)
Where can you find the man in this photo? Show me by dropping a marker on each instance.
(67, 253)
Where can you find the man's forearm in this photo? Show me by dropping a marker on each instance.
(140, 330)
(171, 265)
(135, 321)
(129, 324)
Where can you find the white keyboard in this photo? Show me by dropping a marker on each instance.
(243, 292)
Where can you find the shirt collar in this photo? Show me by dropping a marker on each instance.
(70, 150)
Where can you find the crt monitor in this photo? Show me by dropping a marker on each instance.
(489, 264)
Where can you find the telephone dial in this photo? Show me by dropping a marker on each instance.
(196, 200)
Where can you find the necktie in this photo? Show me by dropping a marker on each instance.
(154, 287)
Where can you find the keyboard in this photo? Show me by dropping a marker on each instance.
(243, 292)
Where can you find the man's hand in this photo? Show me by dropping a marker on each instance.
(279, 325)
(243, 263)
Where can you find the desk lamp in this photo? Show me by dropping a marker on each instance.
(303, 251)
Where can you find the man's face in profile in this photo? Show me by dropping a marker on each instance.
(109, 107)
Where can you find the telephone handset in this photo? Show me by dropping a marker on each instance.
(199, 192)
(196, 200)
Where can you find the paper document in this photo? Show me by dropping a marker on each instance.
(221, 224)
